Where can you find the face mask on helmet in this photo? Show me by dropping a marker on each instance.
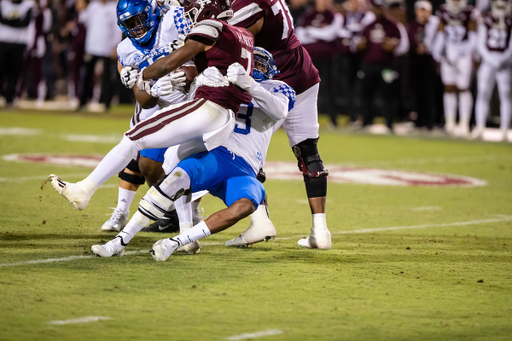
(456, 6)
(137, 19)
(198, 10)
(501, 8)
(264, 66)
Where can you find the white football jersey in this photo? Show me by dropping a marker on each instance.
(173, 26)
(254, 128)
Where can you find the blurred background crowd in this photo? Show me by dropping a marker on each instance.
(374, 58)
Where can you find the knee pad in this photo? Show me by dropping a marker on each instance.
(312, 168)
(155, 203)
(132, 178)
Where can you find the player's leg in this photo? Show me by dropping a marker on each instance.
(260, 228)
(448, 76)
(242, 194)
(503, 79)
(168, 127)
(129, 181)
(464, 75)
(485, 85)
(301, 126)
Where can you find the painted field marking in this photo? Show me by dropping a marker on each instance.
(254, 335)
(39, 177)
(498, 219)
(84, 319)
(427, 208)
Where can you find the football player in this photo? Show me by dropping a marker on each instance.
(453, 48)
(208, 120)
(164, 26)
(272, 26)
(495, 47)
(228, 172)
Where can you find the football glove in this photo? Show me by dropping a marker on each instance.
(129, 76)
(142, 84)
(238, 75)
(162, 87)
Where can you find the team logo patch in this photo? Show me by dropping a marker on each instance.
(289, 171)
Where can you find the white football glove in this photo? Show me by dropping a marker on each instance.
(178, 79)
(162, 87)
(142, 84)
(129, 76)
(176, 44)
(238, 75)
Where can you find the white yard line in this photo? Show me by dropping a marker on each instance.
(433, 160)
(39, 177)
(500, 218)
(254, 335)
(84, 319)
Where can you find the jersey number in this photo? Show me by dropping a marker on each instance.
(247, 55)
(279, 6)
(497, 39)
(247, 118)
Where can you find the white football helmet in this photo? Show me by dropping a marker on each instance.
(456, 6)
(501, 8)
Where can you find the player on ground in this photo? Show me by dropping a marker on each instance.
(228, 172)
(495, 47)
(163, 32)
(453, 48)
(272, 26)
(207, 120)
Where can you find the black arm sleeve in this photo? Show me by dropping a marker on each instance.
(17, 22)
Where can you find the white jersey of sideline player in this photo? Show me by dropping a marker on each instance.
(173, 26)
(495, 48)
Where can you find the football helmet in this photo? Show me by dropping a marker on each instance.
(501, 8)
(456, 6)
(138, 19)
(198, 10)
(264, 65)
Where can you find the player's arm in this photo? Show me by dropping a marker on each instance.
(256, 27)
(275, 104)
(145, 100)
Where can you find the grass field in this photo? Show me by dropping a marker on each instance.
(407, 262)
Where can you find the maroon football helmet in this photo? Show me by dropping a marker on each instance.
(198, 10)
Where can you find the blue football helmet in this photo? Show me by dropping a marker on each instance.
(264, 66)
(138, 19)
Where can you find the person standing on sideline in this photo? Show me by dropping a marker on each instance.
(15, 17)
(101, 41)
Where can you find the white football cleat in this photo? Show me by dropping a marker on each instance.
(117, 221)
(320, 238)
(477, 133)
(190, 248)
(258, 231)
(114, 247)
(76, 194)
(163, 248)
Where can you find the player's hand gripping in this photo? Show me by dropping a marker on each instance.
(129, 76)
(162, 87)
(238, 75)
(142, 84)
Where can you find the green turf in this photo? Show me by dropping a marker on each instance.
(439, 282)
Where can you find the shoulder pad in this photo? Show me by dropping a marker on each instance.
(128, 54)
(207, 28)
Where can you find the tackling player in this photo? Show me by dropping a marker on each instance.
(228, 172)
(495, 47)
(207, 120)
(271, 24)
(453, 48)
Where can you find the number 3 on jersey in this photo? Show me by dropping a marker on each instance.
(247, 117)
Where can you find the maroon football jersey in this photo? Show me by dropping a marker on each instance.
(232, 45)
(456, 24)
(320, 49)
(278, 37)
(375, 34)
(498, 34)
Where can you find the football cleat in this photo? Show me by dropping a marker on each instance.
(319, 239)
(258, 231)
(117, 221)
(169, 223)
(114, 247)
(190, 248)
(163, 248)
(76, 194)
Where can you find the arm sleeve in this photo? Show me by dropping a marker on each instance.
(274, 103)
(481, 43)
(19, 22)
(431, 31)
(438, 46)
(403, 45)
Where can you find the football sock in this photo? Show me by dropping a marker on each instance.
(450, 107)
(505, 111)
(465, 107)
(184, 210)
(319, 221)
(195, 233)
(124, 199)
(195, 211)
(481, 108)
(135, 224)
